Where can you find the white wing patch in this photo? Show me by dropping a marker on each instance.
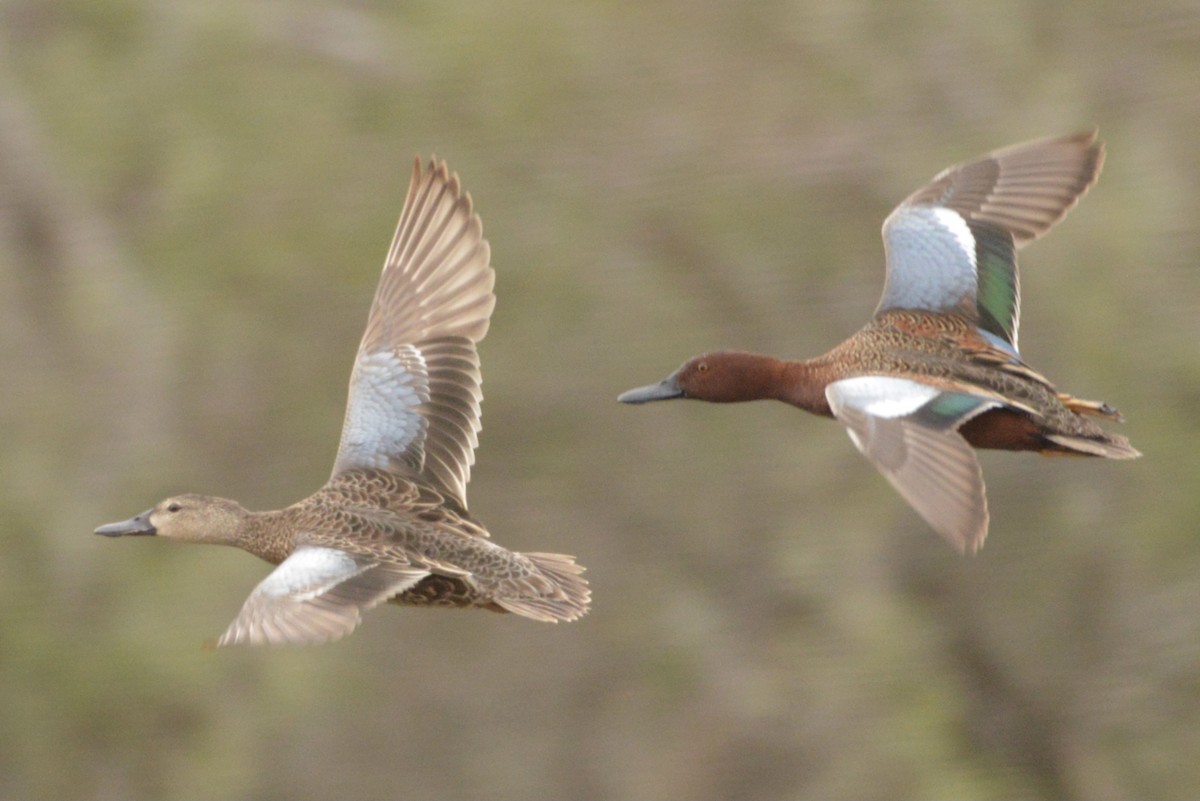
(316, 595)
(309, 572)
(930, 259)
(879, 395)
(383, 420)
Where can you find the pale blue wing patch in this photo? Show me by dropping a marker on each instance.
(909, 432)
(415, 395)
(931, 260)
(939, 261)
(316, 595)
(991, 205)
(880, 395)
(384, 427)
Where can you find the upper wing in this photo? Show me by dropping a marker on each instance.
(951, 245)
(415, 389)
(316, 595)
(909, 432)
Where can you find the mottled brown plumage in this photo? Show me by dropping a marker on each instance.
(947, 351)
(392, 523)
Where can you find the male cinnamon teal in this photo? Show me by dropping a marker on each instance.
(937, 371)
(391, 524)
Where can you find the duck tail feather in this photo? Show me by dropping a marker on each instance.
(1112, 446)
(562, 595)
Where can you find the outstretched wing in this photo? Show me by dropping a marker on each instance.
(951, 245)
(415, 389)
(316, 595)
(909, 431)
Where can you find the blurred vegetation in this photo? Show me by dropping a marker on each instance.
(195, 198)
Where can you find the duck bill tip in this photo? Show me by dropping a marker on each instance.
(139, 526)
(663, 390)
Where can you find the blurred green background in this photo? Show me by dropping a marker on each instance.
(195, 199)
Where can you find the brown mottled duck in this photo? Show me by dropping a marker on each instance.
(391, 524)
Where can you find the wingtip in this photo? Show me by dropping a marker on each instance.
(438, 169)
(974, 545)
(1096, 150)
(1085, 137)
(968, 542)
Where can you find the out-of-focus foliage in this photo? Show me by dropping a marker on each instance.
(195, 198)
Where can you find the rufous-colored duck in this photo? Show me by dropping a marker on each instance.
(936, 372)
(391, 524)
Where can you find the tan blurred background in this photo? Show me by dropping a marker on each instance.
(195, 199)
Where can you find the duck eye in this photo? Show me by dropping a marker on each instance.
(174, 507)
(702, 367)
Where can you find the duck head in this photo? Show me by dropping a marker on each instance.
(188, 518)
(725, 376)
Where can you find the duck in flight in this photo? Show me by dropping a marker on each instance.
(391, 524)
(936, 372)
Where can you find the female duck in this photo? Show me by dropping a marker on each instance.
(392, 522)
(937, 372)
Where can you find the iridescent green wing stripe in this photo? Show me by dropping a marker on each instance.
(998, 290)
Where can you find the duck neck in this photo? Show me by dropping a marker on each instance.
(259, 535)
(226, 523)
(802, 383)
